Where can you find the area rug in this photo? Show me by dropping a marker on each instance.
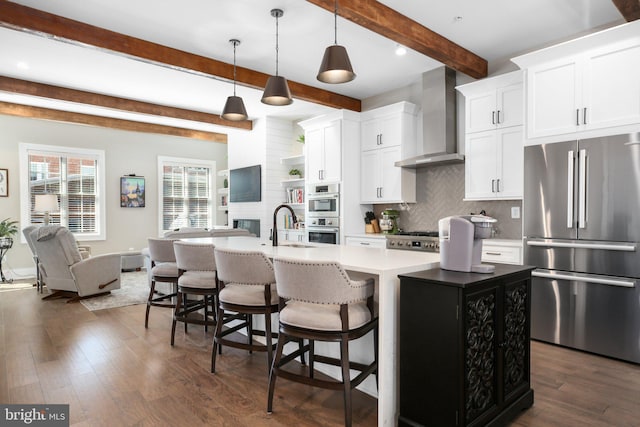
(134, 289)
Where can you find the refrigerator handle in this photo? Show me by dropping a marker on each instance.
(582, 189)
(570, 189)
(602, 280)
(587, 244)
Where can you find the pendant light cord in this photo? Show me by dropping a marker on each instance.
(277, 45)
(235, 43)
(335, 23)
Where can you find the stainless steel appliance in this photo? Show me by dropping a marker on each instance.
(425, 241)
(461, 242)
(582, 228)
(323, 200)
(324, 230)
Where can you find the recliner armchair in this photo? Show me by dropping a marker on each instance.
(65, 271)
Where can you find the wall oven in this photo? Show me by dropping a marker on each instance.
(324, 230)
(323, 201)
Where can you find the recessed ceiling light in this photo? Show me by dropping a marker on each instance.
(401, 50)
(457, 19)
(22, 65)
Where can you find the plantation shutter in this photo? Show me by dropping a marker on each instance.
(186, 196)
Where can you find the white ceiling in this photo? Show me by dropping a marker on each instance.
(493, 29)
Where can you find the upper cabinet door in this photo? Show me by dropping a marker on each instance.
(382, 132)
(332, 152)
(553, 99)
(315, 153)
(509, 106)
(612, 87)
(481, 112)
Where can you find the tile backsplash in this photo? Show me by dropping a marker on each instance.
(440, 193)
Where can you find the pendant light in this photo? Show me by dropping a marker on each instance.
(234, 107)
(276, 92)
(335, 66)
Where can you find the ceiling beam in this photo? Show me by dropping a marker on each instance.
(385, 21)
(29, 111)
(34, 21)
(630, 9)
(41, 90)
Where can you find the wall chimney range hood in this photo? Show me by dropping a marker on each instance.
(439, 142)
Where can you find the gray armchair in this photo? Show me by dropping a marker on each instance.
(64, 270)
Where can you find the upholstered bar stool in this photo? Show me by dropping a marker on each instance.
(319, 302)
(196, 276)
(163, 269)
(246, 286)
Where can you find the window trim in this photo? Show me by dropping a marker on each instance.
(184, 161)
(58, 150)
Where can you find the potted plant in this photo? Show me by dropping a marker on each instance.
(8, 229)
(295, 174)
(300, 139)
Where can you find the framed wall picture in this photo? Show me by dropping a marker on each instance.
(132, 194)
(4, 182)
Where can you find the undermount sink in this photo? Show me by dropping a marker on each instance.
(296, 245)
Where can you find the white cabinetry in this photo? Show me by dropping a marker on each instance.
(494, 107)
(502, 251)
(388, 135)
(324, 152)
(369, 242)
(585, 85)
(493, 167)
(223, 192)
(494, 137)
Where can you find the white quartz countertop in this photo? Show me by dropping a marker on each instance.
(363, 259)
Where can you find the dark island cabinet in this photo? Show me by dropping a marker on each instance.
(464, 347)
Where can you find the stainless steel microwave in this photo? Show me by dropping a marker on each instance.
(323, 200)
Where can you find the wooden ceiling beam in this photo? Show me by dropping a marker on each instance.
(41, 90)
(34, 21)
(385, 21)
(630, 9)
(42, 113)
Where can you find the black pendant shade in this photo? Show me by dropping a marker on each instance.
(335, 66)
(277, 92)
(234, 107)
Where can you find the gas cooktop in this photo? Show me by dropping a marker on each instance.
(426, 241)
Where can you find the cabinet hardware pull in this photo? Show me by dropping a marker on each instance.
(494, 253)
(498, 116)
(381, 192)
(380, 139)
(584, 115)
(365, 243)
(497, 185)
(493, 185)
(493, 117)
(577, 117)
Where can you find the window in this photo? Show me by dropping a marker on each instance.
(185, 193)
(76, 176)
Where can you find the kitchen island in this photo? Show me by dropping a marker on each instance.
(383, 265)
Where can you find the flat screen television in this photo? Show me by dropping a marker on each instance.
(245, 184)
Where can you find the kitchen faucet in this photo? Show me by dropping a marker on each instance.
(274, 231)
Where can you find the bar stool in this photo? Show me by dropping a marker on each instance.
(196, 276)
(246, 286)
(319, 302)
(163, 269)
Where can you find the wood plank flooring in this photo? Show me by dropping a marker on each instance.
(113, 371)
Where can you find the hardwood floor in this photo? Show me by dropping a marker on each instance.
(112, 371)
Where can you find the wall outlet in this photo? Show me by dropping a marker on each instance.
(515, 212)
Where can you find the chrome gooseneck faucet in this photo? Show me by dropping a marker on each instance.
(274, 231)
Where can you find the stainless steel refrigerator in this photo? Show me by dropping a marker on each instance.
(582, 232)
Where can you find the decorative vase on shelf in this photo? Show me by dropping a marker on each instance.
(225, 183)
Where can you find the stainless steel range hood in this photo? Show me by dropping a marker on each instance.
(439, 141)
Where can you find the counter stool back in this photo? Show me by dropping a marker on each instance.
(246, 287)
(319, 302)
(196, 276)
(163, 269)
